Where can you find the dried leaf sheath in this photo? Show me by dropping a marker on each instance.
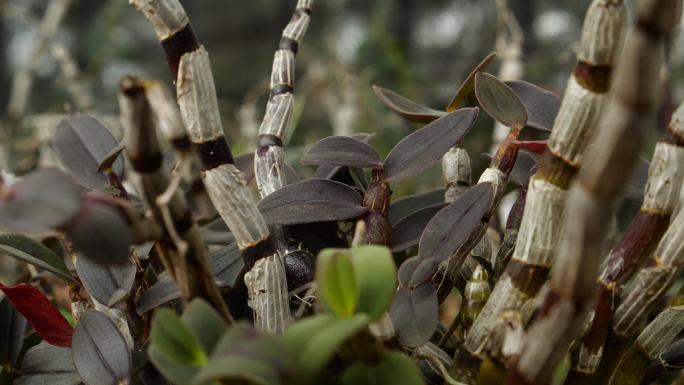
(641, 237)
(196, 94)
(590, 202)
(269, 164)
(545, 203)
(182, 247)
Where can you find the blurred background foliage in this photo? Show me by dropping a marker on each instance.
(419, 48)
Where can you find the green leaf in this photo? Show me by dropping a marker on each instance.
(175, 372)
(336, 281)
(322, 345)
(175, 340)
(238, 369)
(35, 253)
(500, 101)
(394, 368)
(298, 334)
(204, 322)
(376, 275)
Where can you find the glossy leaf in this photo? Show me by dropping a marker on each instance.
(245, 163)
(499, 100)
(411, 203)
(541, 105)
(451, 227)
(407, 231)
(423, 148)
(81, 142)
(311, 200)
(35, 253)
(12, 331)
(414, 314)
(204, 322)
(108, 284)
(342, 151)
(47, 364)
(338, 288)
(47, 321)
(469, 83)
(101, 355)
(394, 368)
(227, 263)
(376, 276)
(323, 344)
(534, 146)
(163, 291)
(405, 107)
(416, 271)
(101, 234)
(170, 335)
(44, 199)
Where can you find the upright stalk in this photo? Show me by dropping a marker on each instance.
(592, 197)
(539, 230)
(182, 248)
(269, 161)
(661, 195)
(225, 184)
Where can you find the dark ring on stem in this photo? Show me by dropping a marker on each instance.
(177, 45)
(280, 89)
(146, 164)
(257, 251)
(289, 44)
(594, 77)
(268, 140)
(214, 153)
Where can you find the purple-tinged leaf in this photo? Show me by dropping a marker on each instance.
(469, 83)
(416, 271)
(43, 200)
(411, 203)
(520, 174)
(405, 107)
(342, 151)
(48, 364)
(499, 100)
(81, 143)
(291, 175)
(406, 232)
(101, 355)
(329, 172)
(109, 159)
(311, 200)
(108, 284)
(101, 234)
(414, 314)
(31, 251)
(226, 263)
(452, 226)
(423, 148)
(163, 291)
(541, 105)
(533, 146)
(245, 163)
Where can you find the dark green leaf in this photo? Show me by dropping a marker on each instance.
(12, 330)
(101, 355)
(108, 284)
(237, 369)
(204, 322)
(469, 83)
(81, 143)
(394, 368)
(176, 372)
(421, 149)
(44, 199)
(337, 286)
(342, 151)
(376, 275)
(404, 206)
(170, 336)
(298, 334)
(407, 231)
(311, 200)
(163, 291)
(452, 226)
(414, 314)
(407, 108)
(101, 234)
(48, 364)
(35, 253)
(541, 105)
(499, 100)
